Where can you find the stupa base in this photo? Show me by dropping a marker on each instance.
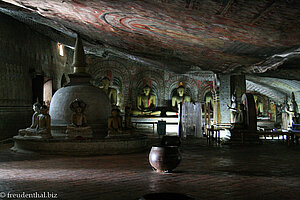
(68, 146)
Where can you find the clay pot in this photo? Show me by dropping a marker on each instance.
(170, 141)
(164, 158)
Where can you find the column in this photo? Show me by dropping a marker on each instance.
(224, 91)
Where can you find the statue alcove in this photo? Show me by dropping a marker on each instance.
(208, 98)
(173, 93)
(116, 84)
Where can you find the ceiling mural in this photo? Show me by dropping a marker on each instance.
(218, 35)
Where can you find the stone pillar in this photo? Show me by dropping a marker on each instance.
(297, 98)
(217, 108)
(224, 90)
(238, 84)
(229, 84)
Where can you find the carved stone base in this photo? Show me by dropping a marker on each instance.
(123, 134)
(84, 132)
(60, 145)
(28, 132)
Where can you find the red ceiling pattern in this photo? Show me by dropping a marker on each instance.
(212, 34)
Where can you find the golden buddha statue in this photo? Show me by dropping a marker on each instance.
(146, 103)
(79, 127)
(181, 97)
(111, 92)
(34, 123)
(115, 123)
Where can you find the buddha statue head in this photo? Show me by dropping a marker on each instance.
(146, 90)
(105, 82)
(36, 107)
(180, 91)
(44, 110)
(78, 106)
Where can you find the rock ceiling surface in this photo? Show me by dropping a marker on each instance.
(224, 36)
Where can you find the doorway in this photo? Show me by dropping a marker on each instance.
(47, 96)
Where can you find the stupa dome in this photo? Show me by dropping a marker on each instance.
(98, 106)
(97, 111)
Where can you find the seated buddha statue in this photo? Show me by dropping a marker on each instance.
(181, 97)
(146, 103)
(115, 123)
(44, 119)
(78, 126)
(41, 125)
(111, 92)
(34, 123)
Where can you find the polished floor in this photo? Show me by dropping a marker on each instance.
(268, 171)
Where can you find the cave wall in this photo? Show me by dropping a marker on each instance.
(24, 56)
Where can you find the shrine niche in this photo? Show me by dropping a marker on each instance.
(261, 105)
(111, 92)
(181, 96)
(272, 111)
(173, 82)
(117, 74)
(204, 91)
(146, 98)
(153, 79)
(208, 97)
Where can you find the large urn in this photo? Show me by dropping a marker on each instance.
(164, 158)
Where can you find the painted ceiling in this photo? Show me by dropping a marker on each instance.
(223, 36)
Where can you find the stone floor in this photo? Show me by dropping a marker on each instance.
(268, 171)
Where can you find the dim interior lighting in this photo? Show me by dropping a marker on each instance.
(60, 49)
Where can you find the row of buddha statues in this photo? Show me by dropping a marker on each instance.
(40, 125)
(146, 105)
(146, 101)
(41, 122)
(79, 127)
(288, 112)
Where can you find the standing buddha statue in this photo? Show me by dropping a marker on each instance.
(111, 92)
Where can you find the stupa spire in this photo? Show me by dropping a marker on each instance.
(79, 63)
